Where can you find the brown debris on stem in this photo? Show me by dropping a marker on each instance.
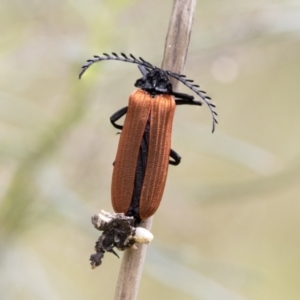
(118, 231)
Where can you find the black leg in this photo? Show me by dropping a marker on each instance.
(176, 158)
(188, 102)
(117, 115)
(183, 96)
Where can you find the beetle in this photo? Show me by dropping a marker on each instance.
(142, 159)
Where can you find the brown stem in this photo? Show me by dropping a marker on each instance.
(131, 269)
(177, 42)
(178, 37)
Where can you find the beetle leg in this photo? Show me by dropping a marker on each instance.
(176, 158)
(183, 96)
(188, 102)
(117, 115)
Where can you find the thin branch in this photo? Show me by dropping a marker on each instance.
(131, 269)
(177, 42)
(178, 37)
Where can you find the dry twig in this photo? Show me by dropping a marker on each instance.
(176, 46)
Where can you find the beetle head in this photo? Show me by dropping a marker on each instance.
(155, 82)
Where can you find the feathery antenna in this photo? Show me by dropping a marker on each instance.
(140, 61)
(195, 89)
(114, 56)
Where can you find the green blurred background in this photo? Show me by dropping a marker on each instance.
(228, 225)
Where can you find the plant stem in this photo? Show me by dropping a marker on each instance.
(176, 47)
(178, 37)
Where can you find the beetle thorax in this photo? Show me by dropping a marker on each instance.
(155, 82)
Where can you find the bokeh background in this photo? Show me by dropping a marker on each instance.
(228, 225)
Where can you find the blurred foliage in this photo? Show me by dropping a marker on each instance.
(228, 226)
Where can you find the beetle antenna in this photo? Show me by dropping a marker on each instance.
(195, 89)
(143, 70)
(114, 56)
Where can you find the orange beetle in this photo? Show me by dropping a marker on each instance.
(141, 165)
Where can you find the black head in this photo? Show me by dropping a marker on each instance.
(155, 82)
